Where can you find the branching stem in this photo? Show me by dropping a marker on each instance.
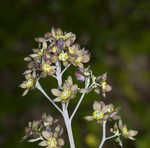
(79, 102)
(65, 105)
(77, 106)
(104, 138)
(39, 87)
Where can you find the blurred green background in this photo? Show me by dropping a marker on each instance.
(117, 33)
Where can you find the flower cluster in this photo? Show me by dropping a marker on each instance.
(119, 129)
(67, 92)
(97, 83)
(103, 112)
(102, 82)
(29, 83)
(56, 51)
(55, 46)
(47, 131)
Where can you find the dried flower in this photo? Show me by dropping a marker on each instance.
(68, 91)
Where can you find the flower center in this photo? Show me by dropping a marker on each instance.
(78, 60)
(110, 109)
(52, 143)
(98, 115)
(125, 131)
(29, 83)
(65, 94)
(63, 56)
(103, 84)
(46, 67)
(60, 37)
(40, 53)
(71, 50)
(54, 49)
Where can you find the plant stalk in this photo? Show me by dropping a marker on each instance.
(104, 135)
(68, 126)
(64, 107)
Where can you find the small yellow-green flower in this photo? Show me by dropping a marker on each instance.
(29, 82)
(65, 94)
(40, 53)
(54, 49)
(98, 114)
(71, 50)
(63, 56)
(59, 34)
(103, 112)
(51, 140)
(68, 91)
(102, 82)
(125, 132)
(79, 57)
(47, 68)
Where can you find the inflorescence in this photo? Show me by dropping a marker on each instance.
(55, 50)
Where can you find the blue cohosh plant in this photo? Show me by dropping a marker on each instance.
(56, 52)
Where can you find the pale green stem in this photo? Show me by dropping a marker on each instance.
(104, 138)
(67, 120)
(39, 87)
(80, 100)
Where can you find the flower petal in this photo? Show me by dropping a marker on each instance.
(89, 118)
(22, 85)
(120, 124)
(55, 92)
(46, 134)
(58, 99)
(96, 105)
(43, 143)
(61, 142)
(132, 133)
(25, 92)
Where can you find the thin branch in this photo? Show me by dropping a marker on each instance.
(113, 136)
(79, 102)
(54, 76)
(67, 104)
(39, 87)
(65, 69)
(76, 108)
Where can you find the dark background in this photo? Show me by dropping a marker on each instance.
(117, 33)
